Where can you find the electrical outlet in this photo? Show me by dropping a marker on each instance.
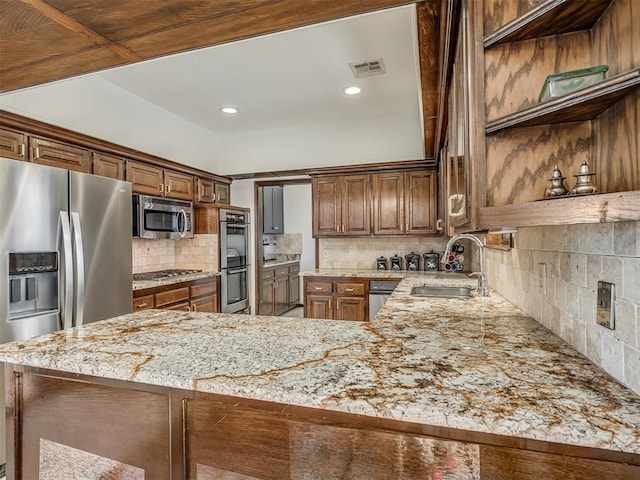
(542, 278)
(605, 298)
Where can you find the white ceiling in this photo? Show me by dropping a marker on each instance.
(287, 87)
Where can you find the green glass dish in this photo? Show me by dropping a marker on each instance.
(561, 84)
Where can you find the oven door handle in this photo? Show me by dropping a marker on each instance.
(238, 270)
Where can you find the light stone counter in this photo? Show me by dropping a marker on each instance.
(142, 284)
(479, 365)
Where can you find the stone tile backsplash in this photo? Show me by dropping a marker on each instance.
(573, 258)
(198, 253)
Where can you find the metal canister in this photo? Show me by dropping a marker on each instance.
(396, 262)
(431, 261)
(412, 261)
(381, 263)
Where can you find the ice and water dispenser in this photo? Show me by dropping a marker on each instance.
(33, 283)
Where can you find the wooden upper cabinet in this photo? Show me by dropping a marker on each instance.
(13, 145)
(178, 185)
(404, 203)
(108, 166)
(145, 178)
(55, 154)
(341, 205)
(210, 191)
(152, 180)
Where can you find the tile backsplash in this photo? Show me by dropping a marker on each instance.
(199, 252)
(572, 259)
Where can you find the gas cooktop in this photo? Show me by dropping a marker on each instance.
(163, 274)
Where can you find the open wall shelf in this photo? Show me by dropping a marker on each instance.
(585, 104)
(550, 17)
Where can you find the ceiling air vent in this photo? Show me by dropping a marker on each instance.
(368, 69)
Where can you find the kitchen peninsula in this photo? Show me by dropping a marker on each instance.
(472, 389)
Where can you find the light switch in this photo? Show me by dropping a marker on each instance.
(605, 299)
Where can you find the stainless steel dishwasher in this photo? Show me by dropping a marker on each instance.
(379, 291)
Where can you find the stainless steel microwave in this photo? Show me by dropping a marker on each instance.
(156, 217)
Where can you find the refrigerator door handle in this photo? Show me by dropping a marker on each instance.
(79, 269)
(66, 293)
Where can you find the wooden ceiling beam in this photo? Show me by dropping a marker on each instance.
(78, 28)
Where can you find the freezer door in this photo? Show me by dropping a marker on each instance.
(32, 197)
(101, 230)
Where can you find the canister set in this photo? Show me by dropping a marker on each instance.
(411, 262)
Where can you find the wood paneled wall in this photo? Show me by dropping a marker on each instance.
(500, 12)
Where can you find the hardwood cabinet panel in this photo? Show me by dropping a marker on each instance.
(267, 297)
(204, 304)
(143, 303)
(327, 213)
(318, 306)
(316, 286)
(201, 289)
(13, 145)
(205, 190)
(348, 289)
(420, 205)
(178, 185)
(388, 201)
(294, 290)
(356, 201)
(108, 166)
(56, 154)
(223, 193)
(172, 296)
(276, 290)
(281, 295)
(207, 219)
(145, 178)
(350, 308)
(182, 306)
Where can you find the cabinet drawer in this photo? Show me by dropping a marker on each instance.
(294, 270)
(319, 287)
(267, 274)
(172, 296)
(350, 289)
(182, 306)
(143, 303)
(282, 272)
(208, 288)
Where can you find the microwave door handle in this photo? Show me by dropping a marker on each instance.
(182, 214)
(66, 292)
(79, 268)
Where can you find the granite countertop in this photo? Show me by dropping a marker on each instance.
(142, 284)
(440, 277)
(278, 263)
(479, 365)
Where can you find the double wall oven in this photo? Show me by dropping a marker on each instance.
(234, 260)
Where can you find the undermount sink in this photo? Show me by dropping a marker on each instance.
(442, 292)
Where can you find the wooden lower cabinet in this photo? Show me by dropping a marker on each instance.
(196, 295)
(279, 288)
(336, 298)
(63, 425)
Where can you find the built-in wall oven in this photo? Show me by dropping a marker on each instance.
(234, 260)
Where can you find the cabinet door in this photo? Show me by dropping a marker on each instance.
(318, 306)
(419, 201)
(388, 203)
(107, 166)
(223, 193)
(54, 154)
(273, 209)
(13, 145)
(356, 201)
(294, 290)
(178, 185)
(204, 304)
(205, 191)
(281, 295)
(145, 178)
(267, 298)
(350, 308)
(326, 206)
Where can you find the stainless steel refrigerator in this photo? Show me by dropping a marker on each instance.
(65, 252)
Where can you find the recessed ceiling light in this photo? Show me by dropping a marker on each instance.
(229, 110)
(351, 90)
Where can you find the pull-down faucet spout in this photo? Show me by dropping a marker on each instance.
(483, 290)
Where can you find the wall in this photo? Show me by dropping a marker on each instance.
(576, 257)
(361, 253)
(197, 253)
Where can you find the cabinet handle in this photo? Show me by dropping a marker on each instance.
(406, 227)
(22, 150)
(195, 308)
(161, 187)
(213, 195)
(141, 305)
(402, 227)
(168, 188)
(317, 288)
(36, 151)
(349, 289)
(188, 308)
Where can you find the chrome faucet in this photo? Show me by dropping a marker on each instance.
(483, 290)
